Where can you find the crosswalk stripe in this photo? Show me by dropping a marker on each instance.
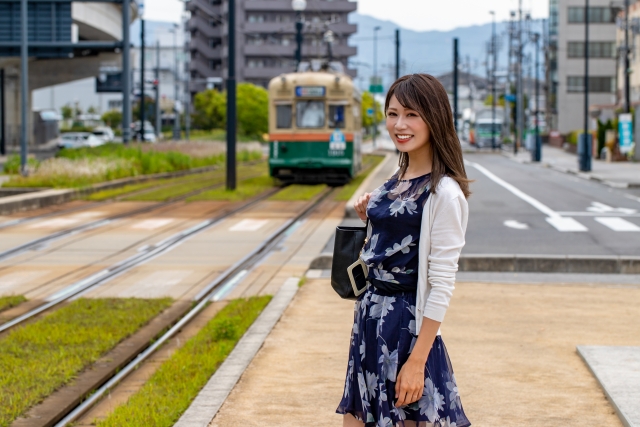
(565, 224)
(617, 223)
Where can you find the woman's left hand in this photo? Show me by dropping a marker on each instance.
(410, 382)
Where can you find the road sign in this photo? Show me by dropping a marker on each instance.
(375, 85)
(625, 132)
(370, 112)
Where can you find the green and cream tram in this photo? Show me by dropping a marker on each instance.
(315, 127)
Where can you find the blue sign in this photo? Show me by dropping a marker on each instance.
(337, 143)
(625, 132)
(510, 98)
(310, 91)
(370, 111)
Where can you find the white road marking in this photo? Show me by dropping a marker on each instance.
(617, 224)
(602, 208)
(152, 224)
(12, 282)
(249, 225)
(87, 215)
(54, 223)
(512, 223)
(559, 222)
(155, 284)
(629, 196)
(637, 215)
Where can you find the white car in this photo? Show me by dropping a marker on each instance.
(104, 133)
(78, 140)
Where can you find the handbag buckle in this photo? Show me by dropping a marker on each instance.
(350, 269)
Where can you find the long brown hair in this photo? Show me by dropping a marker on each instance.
(424, 94)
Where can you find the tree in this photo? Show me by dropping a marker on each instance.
(92, 110)
(210, 110)
(67, 112)
(112, 118)
(253, 110)
(367, 103)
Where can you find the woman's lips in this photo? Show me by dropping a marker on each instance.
(403, 138)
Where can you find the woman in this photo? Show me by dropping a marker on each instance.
(399, 373)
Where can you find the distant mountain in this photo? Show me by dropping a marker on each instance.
(422, 51)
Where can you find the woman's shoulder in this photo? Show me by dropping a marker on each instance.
(448, 188)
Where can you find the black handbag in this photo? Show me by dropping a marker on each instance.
(348, 271)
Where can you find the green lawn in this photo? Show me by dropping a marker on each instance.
(245, 190)
(11, 301)
(115, 192)
(40, 357)
(172, 388)
(369, 162)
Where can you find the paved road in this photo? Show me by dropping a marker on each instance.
(527, 209)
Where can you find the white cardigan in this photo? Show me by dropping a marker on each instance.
(444, 223)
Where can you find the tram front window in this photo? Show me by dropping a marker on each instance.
(283, 116)
(310, 114)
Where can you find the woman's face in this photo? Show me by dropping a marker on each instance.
(407, 129)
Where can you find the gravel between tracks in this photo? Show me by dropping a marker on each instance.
(512, 346)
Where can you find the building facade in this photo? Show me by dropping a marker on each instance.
(568, 59)
(265, 39)
(634, 55)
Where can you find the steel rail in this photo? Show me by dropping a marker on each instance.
(202, 299)
(121, 267)
(33, 244)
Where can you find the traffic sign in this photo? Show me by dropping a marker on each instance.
(369, 111)
(375, 85)
(625, 132)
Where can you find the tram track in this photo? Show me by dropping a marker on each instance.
(41, 241)
(187, 312)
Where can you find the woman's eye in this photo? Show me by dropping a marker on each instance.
(391, 114)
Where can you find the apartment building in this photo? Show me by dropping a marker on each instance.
(634, 56)
(567, 60)
(265, 38)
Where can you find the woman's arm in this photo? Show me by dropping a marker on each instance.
(410, 381)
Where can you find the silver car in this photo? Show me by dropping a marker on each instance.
(78, 140)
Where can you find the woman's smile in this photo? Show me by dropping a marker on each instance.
(401, 138)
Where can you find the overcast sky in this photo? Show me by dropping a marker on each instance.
(419, 15)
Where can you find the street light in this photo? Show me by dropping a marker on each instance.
(493, 79)
(176, 120)
(299, 6)
(375, 78)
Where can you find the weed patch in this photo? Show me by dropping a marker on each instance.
(170, 390)
(40, 357)
(11, 301)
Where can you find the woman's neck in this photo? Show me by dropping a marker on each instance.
(420, 162)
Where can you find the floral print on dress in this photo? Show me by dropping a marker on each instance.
(380, 344)
(395, 214)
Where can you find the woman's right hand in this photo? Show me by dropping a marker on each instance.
(361, 206)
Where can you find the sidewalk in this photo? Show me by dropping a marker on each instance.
(615, 174)
(513, 348)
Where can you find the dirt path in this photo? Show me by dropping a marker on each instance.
(512, 347)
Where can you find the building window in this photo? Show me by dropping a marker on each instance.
(115, 104)
(283, 116)
(255, 18)
(597, 15)
(310, 114)
(596, 49)
(596, 84)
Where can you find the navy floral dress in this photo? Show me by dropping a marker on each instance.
(384, 329)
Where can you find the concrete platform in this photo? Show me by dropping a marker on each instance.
(617, 369)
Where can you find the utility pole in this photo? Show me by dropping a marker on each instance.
(126, 72)
(469, 82)
(455, 83)
(176, 113)
(187, 91)
(142, 106)
(584, 149)
(397, 53)
(507, 104)
(231, 99)
(375, 76)
(519, 88)
(157, 89)
(493, 80)
(24, 82)
(627, 66)
(537, 148)
(3, 140)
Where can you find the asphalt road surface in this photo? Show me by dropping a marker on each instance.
(528, 209)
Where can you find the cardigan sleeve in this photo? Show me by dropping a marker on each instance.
(449, 224)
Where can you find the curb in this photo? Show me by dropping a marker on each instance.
(583, 175)
(529, 263)
(349, 211)
(211, 398)
(39, 199)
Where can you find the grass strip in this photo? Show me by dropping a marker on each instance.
(245, 189)
(179, 189)
(115, 192)
(172, 388)
(40, 357)
(11, 301)
(369, 162)
(298, 192)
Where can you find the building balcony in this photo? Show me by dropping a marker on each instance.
(307, 51)
(312, 5)
(204, 6)
(203, 49)
(341, 28)
(201, 25)
(266, 73)
(202, 68)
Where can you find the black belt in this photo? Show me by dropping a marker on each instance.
(392, 288)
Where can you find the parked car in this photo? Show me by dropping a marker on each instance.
(104, 133)
(78, 140)
(149, 131)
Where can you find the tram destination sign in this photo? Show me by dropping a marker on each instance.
(310, 91)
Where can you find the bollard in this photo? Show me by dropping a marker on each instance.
(584, 152)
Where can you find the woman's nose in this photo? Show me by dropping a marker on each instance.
(400, 124)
